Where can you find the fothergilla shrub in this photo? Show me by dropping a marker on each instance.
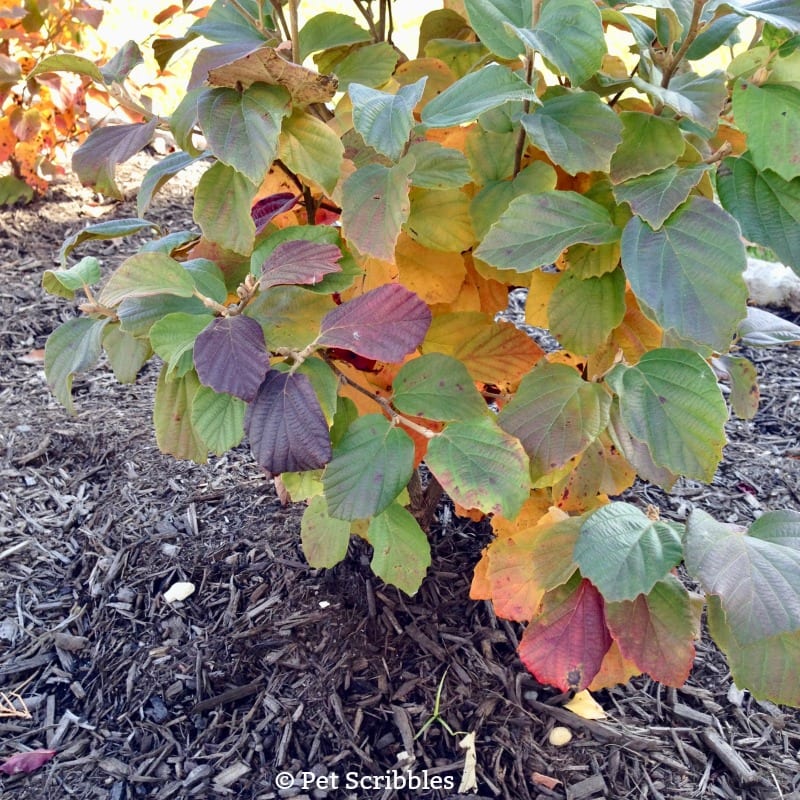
(362, 219)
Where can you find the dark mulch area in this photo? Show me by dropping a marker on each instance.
(271, 666)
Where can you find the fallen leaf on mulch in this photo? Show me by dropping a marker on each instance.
(26, 762)
(545, 780)
(33, 357)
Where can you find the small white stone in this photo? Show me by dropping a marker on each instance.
(560, 736)
(179, 591)
(324, 604)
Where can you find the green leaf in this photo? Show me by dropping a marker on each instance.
(222, 203)
(489, 19)
(765, 205)
(289, 315)
(145, 274)
(649, 143)
(126, 354)
(462, 58)
(242, 128)
(743, 377)
(218, 419)
(65, 282)
(656, 631)
(472, 95)
(325, 539)
(67, 62)
(370, 467)
(436, 386)
(583, 311)
(491, 155)
(124, 61)
(173, 337)
(579, 132)
(384, 120)
(329, 29)
(371, 65)
(310, 148)
(13, 190)
(755, 574)
(304, 485)
(401, 552)
(138, 314)
(172, 417)
(700, 98)
(480, 467)
(208, 278)
(225, 23)
(688, 274)
(440, 219)
(375, 205)
(112, 229)
(624, 553)
(535, 229)
(556, 415)
(438, 167)
(770, 116)
(159, 174)
(762, 329)
(324, 382)
(719, 31)
(767, 667)
(654, 197)
(70, 348)
(671, 401)
(569, 34)
(780, 13)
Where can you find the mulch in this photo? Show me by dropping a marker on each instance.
(271, 667)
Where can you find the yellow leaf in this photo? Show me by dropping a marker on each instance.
(540, 289)
(584, 705)
(439, 76)
(435, 276)
(440, 219)
(614, 669)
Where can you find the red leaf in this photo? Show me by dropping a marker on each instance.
(300, 262)
(286, 426)
(386, 324)
(266, 209)
(566, 644)
(230, 355)
(26, 762)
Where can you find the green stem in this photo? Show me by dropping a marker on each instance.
(519, 152)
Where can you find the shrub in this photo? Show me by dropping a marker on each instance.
(361, 224)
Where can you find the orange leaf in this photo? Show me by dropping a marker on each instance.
(614, 669)
(481, 587)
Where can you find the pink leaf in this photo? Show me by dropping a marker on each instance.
(26, 762)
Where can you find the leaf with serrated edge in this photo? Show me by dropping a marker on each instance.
(755, 573)
(386, 324)
(649, 143)
(70, 348)
(218, 419)
(230, 355)
(401, 553)
(565, 645)
(65, 282)
(535, 229)
(375, 205)
(174, 335)
(324, 538)
(172, 417)
(655, 631)
(767, 667)
(370, 467)
(436, 386)
(285, 425)
(299, 262)
(624, 553)
(689, 272)
(383, 119)
(146, 274)
(671, 401)
(579, 132)
(523, 565)
(480, 466)
(555, 414)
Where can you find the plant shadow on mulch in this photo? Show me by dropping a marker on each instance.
(271, 667)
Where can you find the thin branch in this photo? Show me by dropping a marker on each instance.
(366, 12)
(286, 32)
(725, 149)
(294, 30)
(695, 28)
(526, 107)
(247, 15)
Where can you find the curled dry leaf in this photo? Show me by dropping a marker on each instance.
(26, 762)
(265, 65)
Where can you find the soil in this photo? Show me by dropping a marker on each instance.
(271, 667)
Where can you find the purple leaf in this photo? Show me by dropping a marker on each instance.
(231, 356)
(286, 426)
(266, 209)
(386, 324)
(300, 262)
(26, 762)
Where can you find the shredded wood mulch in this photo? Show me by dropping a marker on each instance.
(273, 680)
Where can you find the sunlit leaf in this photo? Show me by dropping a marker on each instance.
(325, 539)
(489, 19)
(299, 262)
(329, 29)
(310, 148)
(371, 64)
(649, 143)
(65, 282)
(173, 337)
(68, 62)
(700, 98)
(145, 274)
(440, 219)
